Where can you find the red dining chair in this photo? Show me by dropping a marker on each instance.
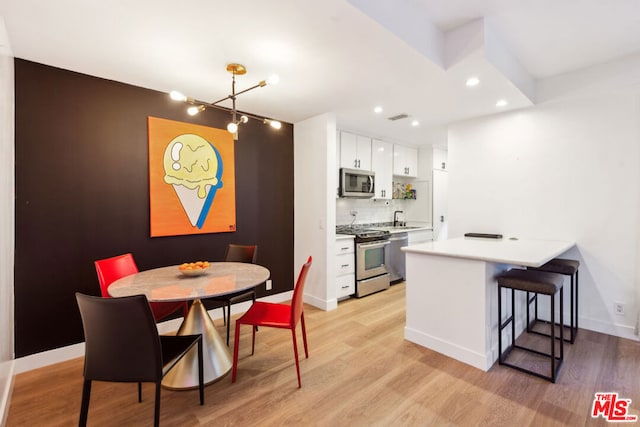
(284, 316)
(111, 269)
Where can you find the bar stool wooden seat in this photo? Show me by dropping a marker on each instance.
(566, 267)
(537, 282)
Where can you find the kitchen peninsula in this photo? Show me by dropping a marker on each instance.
(451, 292)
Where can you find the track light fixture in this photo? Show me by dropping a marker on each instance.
(198, 106)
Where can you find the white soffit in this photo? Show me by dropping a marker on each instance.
(409, 22)
(465, 46)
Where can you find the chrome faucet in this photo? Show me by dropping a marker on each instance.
(395, 218)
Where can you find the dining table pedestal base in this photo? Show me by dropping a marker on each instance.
(217, 359)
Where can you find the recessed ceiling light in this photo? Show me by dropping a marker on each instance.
(473, 81)
(377, 110)
(501, 103)
(415, 123)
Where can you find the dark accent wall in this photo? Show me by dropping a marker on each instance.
(82, 194)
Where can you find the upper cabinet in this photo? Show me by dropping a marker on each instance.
(381, 164)
(405, 161)
(355, 151)
(439, 158)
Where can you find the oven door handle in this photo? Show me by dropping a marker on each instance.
(373, 245)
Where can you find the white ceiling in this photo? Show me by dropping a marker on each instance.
(410, 56)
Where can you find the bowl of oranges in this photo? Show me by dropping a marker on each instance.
(193, 268)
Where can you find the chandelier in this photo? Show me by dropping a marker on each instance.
(236, 118)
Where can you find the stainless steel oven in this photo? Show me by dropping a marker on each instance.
(371, 268)
(371, 259)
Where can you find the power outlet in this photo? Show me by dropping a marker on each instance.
(618, 308)
(269, 285)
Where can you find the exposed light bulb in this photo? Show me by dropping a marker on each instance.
(473, 81)
(273, 80)
(232, 127)
(195, 109)
(275, 124)
(501, 103)
(377, 110)
(244, 119)
(177, 96)
(415, 123)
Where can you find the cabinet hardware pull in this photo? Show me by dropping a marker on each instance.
(345, 287)
(344, 248)
(345, 265)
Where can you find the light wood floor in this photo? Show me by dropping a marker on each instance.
(361, 372)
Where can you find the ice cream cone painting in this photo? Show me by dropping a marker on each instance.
(191, 179)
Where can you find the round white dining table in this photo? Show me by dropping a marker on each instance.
(169, 284)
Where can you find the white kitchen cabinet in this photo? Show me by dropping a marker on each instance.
(439, 158)
(355, 151)
(382, 164)
(440, 215)
(405, 161)
(419, 236)
(345, 268)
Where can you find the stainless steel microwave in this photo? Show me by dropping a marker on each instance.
(357, 183)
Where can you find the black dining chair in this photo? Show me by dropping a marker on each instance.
(122, 345)
(237, 253)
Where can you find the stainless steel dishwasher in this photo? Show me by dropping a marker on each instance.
(395, 256)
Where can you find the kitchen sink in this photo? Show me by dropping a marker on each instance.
(397, 227)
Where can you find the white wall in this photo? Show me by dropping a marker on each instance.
(567, 169)
(7, 225)
(314, 156)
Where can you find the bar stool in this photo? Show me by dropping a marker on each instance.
(538, 282)
(566, 267)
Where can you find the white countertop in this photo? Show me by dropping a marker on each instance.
(344, 236)
(390, 229)
(527, 252)
(394, 230)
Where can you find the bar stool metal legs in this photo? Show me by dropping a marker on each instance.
(567, 267)
(535, 282)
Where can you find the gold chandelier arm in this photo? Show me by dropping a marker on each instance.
(261, 84)
(198, 106)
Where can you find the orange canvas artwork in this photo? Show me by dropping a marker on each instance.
(191, 179)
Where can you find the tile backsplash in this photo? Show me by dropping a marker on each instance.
(368, 210)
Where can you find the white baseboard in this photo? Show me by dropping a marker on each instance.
(485, 362)
(325, 305)
(62, 354)
(46, 358)
(6, 386)
(470, 357)
(615, 329)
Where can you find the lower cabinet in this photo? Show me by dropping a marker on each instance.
(419, 236)
(346, 286)
(345, 268)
